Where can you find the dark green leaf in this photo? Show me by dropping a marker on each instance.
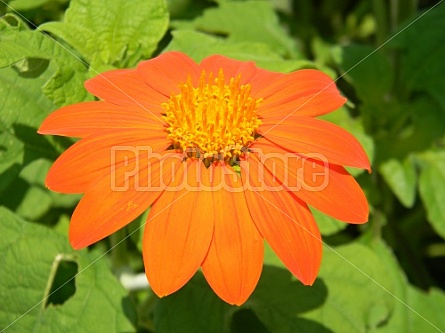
(422, 50)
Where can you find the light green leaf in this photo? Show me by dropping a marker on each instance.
(429, 306)
(327, 225)
(115, 32)
(401, 178)
(356, 300)
(186, 41)
(23, 107)
(27, 273)
(262, 25)
(413, 310)
(26, 48)
(432, 189)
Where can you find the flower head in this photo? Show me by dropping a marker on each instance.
(226, 154)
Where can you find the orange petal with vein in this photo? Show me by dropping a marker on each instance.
(165, 72)
(94, 157)
(305, 135)
(126, 88)
(284, 221)
(112, 203)
(235, 258)
(179, 230)
(327, 187)
(305, 92)
(89, 118)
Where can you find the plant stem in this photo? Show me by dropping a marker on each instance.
(52, 274)
(119, 257)
(382, 20)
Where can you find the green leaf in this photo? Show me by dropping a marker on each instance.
(20, 5)
(184, 310)
(402, 178)
(115, 32)
(27, 273)
(186, 41)
(371, 75)
(356, 300)
(280, 302)
(432, 189)
(328, 225)
(247, 21)
(274, 306)
(23, 108)
(68, 72)
(29, 198)
(414, 311)
(430, 305)
(422, 47)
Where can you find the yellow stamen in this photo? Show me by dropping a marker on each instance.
(213, 121)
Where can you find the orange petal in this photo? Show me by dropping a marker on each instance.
(235, 258)
(165, 72)
(109, 206)
(327, 187)
(83, 119)
(305, 135)
(305, 92)
(232, 68)
(285, 222)
(127, 88)
(179, 230)
(94, 157)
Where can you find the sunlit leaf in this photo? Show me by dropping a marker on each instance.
(31, 255)
(402, 178)
(328, 225)
(265, 57)
(413, 310)
(115, 32)
(432, 189)
(64, 85)
(356, 299)
(23, 107)
(252, 21)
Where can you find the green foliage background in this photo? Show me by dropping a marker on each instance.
(385, 276)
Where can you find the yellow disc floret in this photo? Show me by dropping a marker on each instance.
(213, 121)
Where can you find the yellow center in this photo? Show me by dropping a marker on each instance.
(214, 121)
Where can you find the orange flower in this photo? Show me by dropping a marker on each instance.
(225, 153)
